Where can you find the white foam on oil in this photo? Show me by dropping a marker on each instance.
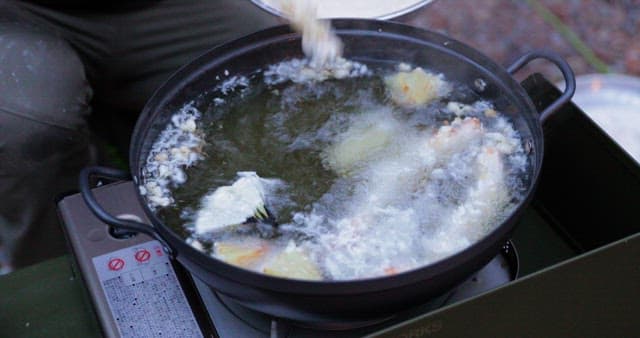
(303, 71)
(409, 201)
(409, 191)
(178, 146)
(236, 82)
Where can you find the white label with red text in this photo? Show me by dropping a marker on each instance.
(144, 294)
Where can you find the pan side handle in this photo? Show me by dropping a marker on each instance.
(565, 69)
(120, 226)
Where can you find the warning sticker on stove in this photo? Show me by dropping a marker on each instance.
(144, 294)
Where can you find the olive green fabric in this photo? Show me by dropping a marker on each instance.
(46, 300)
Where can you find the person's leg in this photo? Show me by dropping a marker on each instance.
(127, 52)
(44, 140)
(153, 42)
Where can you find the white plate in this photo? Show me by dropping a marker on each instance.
(613, 102)
(367, 9)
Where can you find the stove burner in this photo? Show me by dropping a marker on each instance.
(229, 318)
(502, 269)
(264, 323)
(254, 319)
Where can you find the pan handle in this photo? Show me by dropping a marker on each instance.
(567, 73)
(120, 226)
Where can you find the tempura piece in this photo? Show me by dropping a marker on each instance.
(416, 87)
(409, 170)
(483, 202)
(381, 215)
(365, 137)
(293, 262)
(454, 137)
(232, 205)
(243, 254)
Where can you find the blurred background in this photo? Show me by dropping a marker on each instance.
(599, 38)
(594, 36)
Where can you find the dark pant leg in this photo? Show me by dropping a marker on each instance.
(43, 138)
(130, 53)
(153, 42)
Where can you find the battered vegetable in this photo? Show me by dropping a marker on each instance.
(361, 142)
(293, 262)
(413, 88)
(232, 205)
(246, 253)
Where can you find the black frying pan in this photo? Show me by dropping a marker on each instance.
(370, 42)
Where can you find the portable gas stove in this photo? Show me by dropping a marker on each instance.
(586, 201)
(137, 290)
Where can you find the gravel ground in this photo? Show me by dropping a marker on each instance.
(594, 36)
(506, 29)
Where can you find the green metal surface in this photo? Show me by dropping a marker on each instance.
(46, 300)
(538, 244)
(592, 295)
